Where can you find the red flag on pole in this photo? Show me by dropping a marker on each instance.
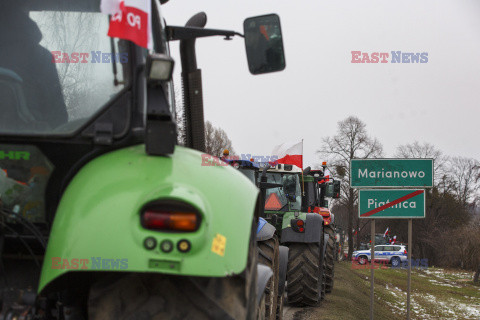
(131, 20)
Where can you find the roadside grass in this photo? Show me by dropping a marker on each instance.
(436, 294)
(350, 299)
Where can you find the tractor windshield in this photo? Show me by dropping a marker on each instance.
(249, 173)
(56, 65)
(287, 197)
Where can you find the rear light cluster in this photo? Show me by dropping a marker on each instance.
(170, 216)
(171, 221)
(297, 225)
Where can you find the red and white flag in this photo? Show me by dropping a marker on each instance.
(131, 20)
(289, 154)
(386, 233)
(394, 239)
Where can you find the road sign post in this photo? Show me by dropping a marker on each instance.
(377, 199)
(372, 255)
(409, 279)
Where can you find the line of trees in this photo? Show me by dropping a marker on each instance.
(449, 236)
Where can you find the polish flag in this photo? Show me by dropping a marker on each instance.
(394, 239)
(386, 232)
(131, 20)
(289, 154)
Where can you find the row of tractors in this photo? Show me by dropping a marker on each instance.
(296, 232)
(104, 215)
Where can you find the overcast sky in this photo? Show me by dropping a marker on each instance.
(435, 102)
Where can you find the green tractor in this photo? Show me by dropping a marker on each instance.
(102, 214)
(318, 189)
(298, 229)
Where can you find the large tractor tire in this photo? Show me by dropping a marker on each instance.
(280, 304)
(142, 296)
(329, 261)
(304, 274)
(268, 255)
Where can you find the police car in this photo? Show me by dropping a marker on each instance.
(394, 254)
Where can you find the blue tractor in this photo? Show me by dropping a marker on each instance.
(270, 252)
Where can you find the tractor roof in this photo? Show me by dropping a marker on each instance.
(285, 168)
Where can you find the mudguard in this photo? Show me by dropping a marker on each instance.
(98, 218)
(313, 229)
(282, 276)
(264, 274)
(265, 230)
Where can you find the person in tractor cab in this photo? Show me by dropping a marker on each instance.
(29, 83)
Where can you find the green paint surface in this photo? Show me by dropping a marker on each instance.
(99, 214)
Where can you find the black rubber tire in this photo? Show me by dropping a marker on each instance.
(280, 304)
(364, 259)
(261, 309)
(268, 255)
(323, 293)
(329, 261)
(304, 274)
(142, 296)
(395, 261)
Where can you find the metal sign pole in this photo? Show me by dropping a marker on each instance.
(372, 255)
(409, 281)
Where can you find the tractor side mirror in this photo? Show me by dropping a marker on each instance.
(336, 189)
(264, 44)
(333, 190)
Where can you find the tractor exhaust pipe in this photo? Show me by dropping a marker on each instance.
(194, 122)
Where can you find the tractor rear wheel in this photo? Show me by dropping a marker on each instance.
(280, 304)
(329, 266)
(268, 255)
(304, 274)
(139, 296)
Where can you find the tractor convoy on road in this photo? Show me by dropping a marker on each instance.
(103, 215)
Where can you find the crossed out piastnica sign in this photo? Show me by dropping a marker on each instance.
(131, 20)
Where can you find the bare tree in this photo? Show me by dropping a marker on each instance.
(422, 151)
(216, 140)
(464, 174)
(350, 142)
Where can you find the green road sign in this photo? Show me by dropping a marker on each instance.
(391, 173)
(393, 204)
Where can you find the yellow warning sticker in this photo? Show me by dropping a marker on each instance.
(218, 244)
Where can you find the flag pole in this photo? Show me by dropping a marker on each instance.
(302, 154)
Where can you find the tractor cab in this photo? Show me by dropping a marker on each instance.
(247, 168)
(318, 189)
(288, 195)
